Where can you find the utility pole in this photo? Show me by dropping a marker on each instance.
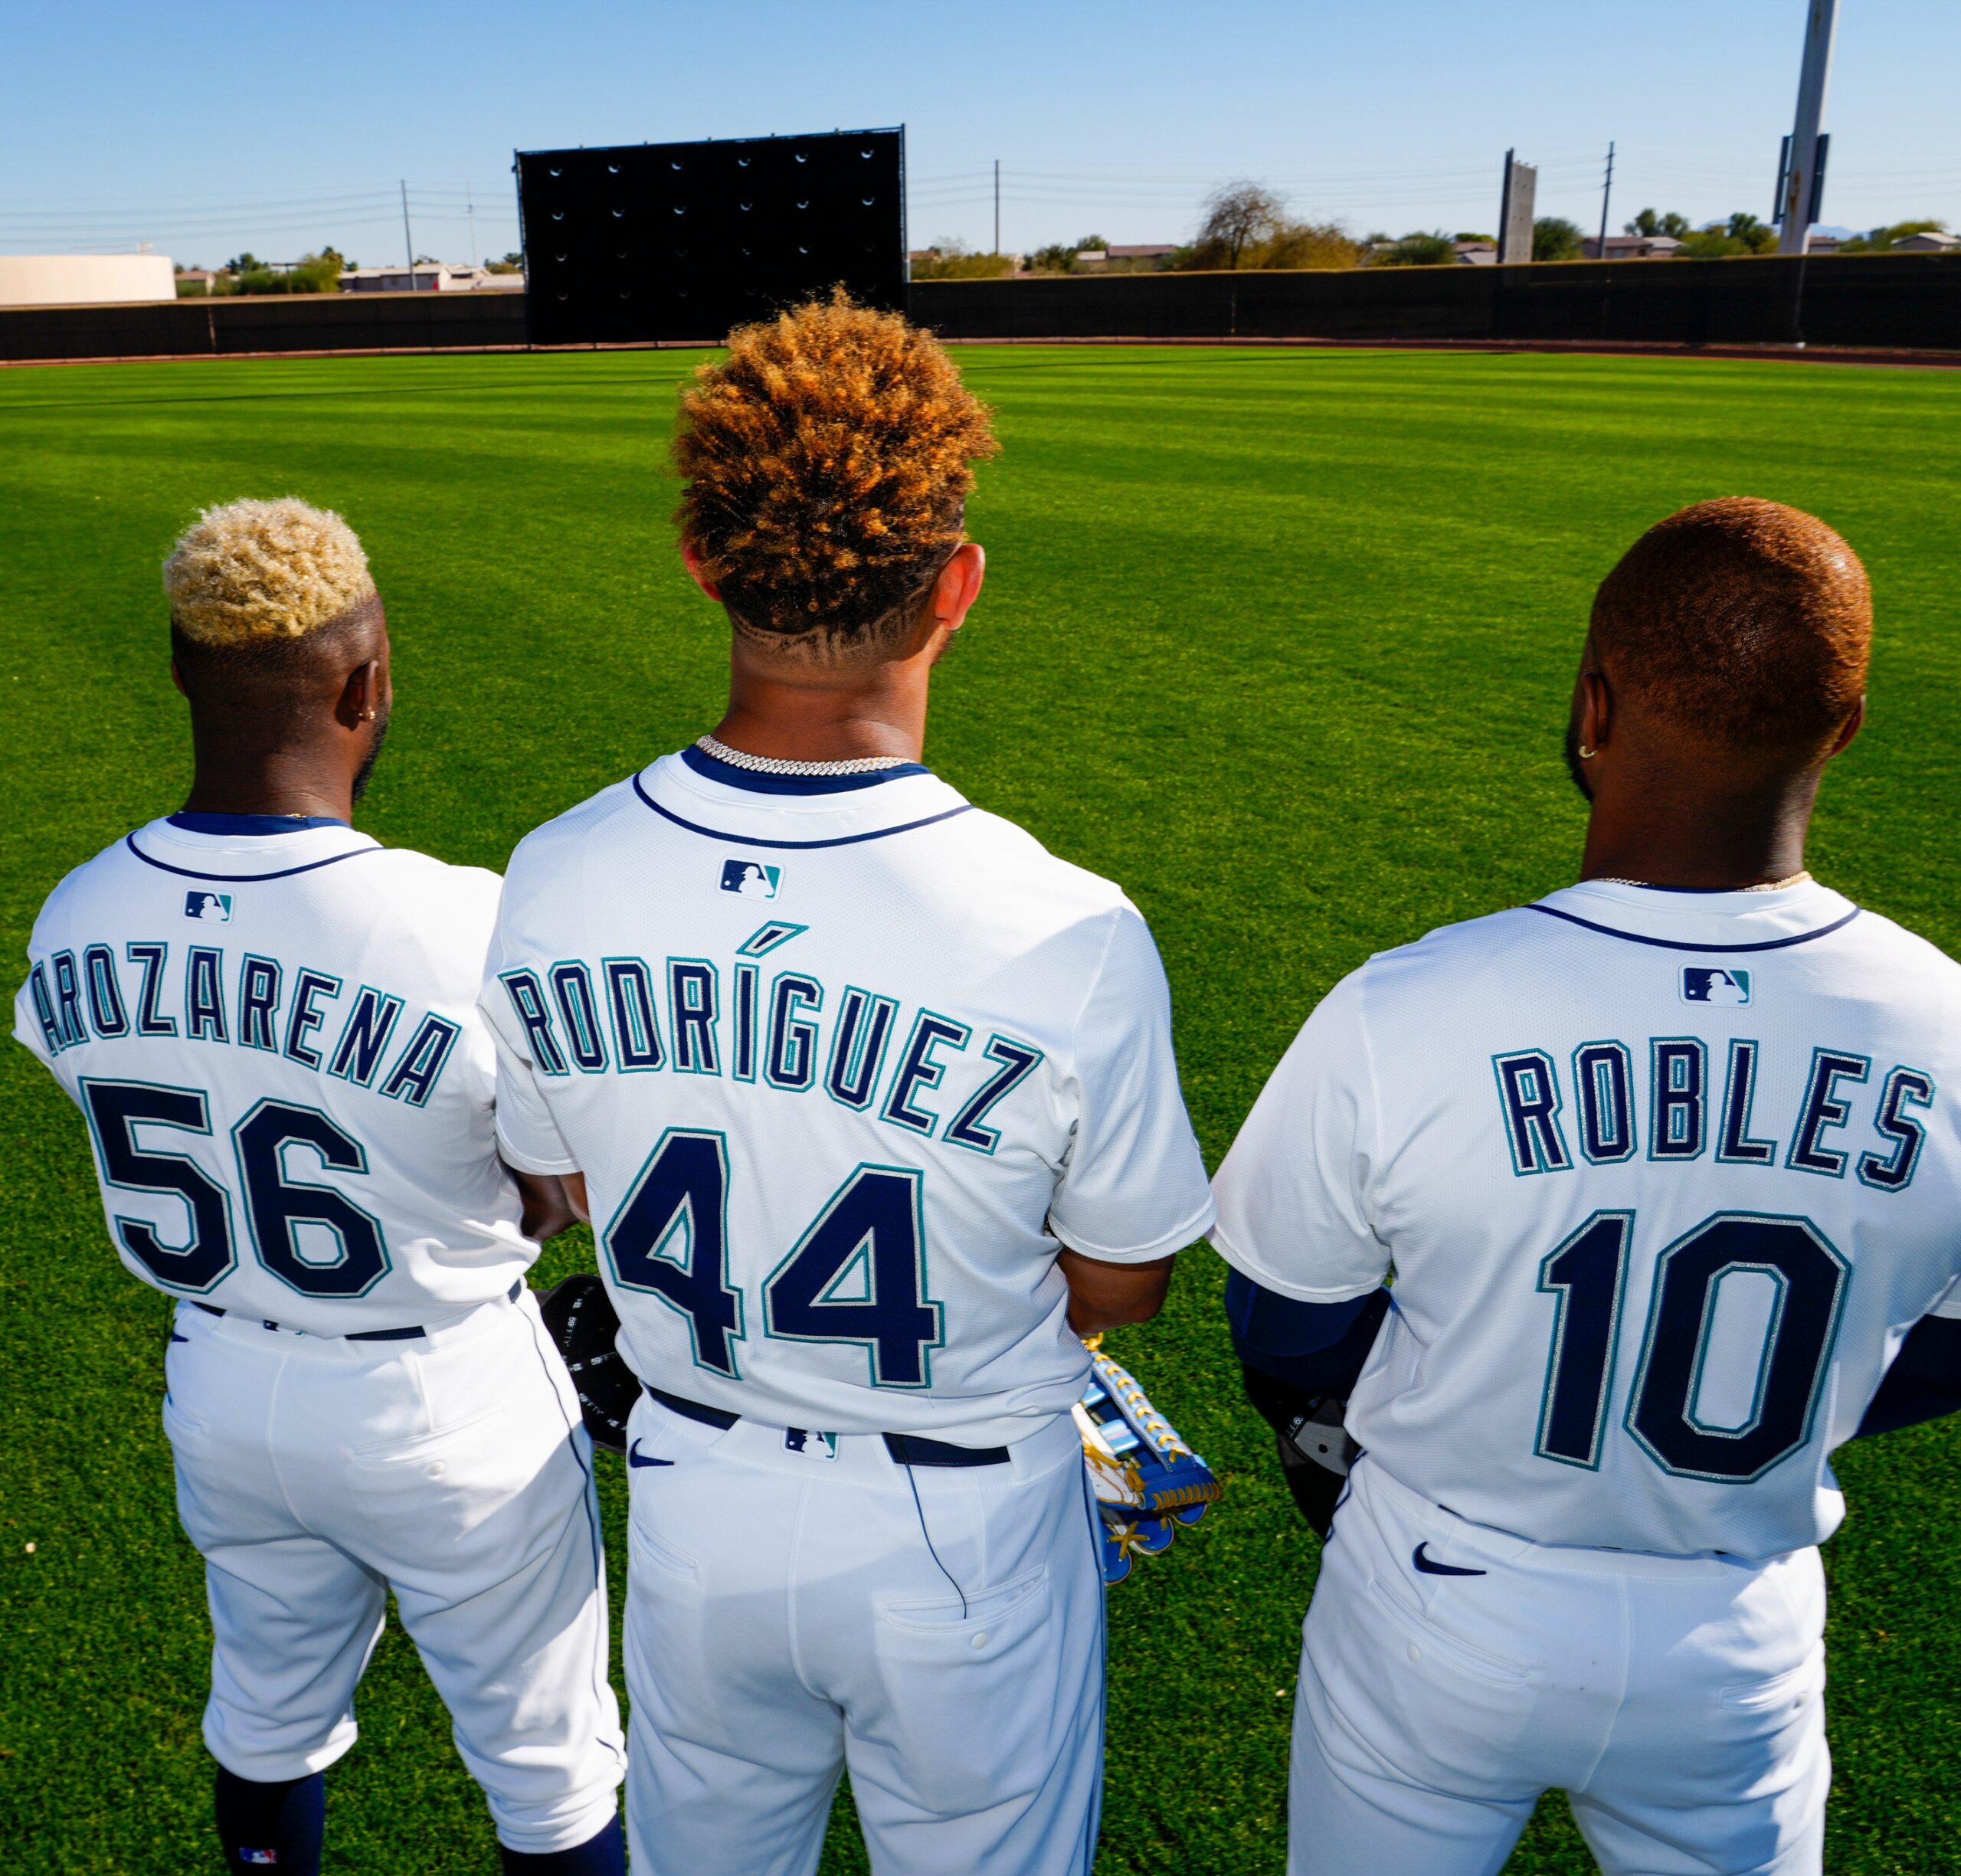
(1606, 196)
(469, 207)
(408, 239)
(997, 204)
(1795, 206)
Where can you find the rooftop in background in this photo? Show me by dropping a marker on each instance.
(1631, 247)
(438, 277)
(1932, 242)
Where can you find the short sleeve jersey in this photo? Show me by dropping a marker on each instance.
(845, 1061)
(1664, 1179)
(273, 1038)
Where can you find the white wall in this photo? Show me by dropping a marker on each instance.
(84, 280)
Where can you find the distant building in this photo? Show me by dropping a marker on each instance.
(84, 280)
(1092, 260)
(195, 282)
(1932, 241)
(1632, 247)
(1476, 254)
(429, 277)
(1142, 250)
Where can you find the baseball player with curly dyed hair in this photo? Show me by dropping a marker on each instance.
(872, 1104)
(269, 1022)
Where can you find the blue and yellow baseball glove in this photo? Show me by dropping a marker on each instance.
(1148, 1481)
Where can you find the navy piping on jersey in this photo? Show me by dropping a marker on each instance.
(760, 781)
(749, 839)
(253, 824)
(1677, 945)
(246, 879)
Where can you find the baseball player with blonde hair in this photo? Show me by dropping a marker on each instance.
(268, 1020)
(864, 1160)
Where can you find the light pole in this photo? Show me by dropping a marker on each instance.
(1794, 208)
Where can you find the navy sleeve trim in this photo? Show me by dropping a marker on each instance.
(1676, 944)
(247, 878)
(759, 781)
(1923, 1383)
(749, 839)
(1319, 1348)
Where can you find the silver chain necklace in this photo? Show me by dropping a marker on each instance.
(782, 765)
(1769, 885)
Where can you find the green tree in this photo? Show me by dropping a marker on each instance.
(1462, 235)
(1877, 241)
(947, 260)
(1555, 238)
(1647, 222)
(1419, 251)
(511, 264)
(1239, 216)
(1059, 256)
(1753, 236)
(1319, 246)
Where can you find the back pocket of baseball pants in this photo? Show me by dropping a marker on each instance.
(972, 1710)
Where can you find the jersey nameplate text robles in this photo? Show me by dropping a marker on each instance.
(1665, 1179)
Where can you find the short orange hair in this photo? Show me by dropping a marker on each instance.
(828, 459)
(1748, 622)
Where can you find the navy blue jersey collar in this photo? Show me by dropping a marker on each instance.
(228, 825)
(759, 781)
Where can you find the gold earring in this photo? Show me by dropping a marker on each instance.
(1587, 754)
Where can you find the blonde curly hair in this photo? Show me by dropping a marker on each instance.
(828, 459)
(251, 573)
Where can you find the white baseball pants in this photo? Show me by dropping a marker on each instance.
(315, 1475)
(791, 1614)
(1450, 1673)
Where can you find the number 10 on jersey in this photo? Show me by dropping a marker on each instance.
(857, 1275)
(1589, 1273)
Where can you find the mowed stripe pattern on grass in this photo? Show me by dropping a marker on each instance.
(1280, 640)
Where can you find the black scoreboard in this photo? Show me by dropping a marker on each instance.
(683, 241)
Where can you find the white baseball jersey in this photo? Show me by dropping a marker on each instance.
(1665, 1178)
(844, 1061)
(274, 1039)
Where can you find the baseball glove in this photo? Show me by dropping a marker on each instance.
(581, 1317)
(1147, 1481)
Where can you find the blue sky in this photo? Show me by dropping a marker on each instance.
(210, 129)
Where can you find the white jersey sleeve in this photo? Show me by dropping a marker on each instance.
(1295, 1207)
(527, 1135)
(1130, 1166)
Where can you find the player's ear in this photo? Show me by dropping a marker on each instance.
(1850, 728)
(693, 562)
(361, 695)
(958, 585)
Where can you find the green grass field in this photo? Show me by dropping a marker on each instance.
(1280, 640)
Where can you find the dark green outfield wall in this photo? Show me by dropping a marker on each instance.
(1897, 300)
(1904, 301)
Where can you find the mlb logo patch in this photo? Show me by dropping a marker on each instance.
(811, 1445)
(751, 878)
(267, 1857)
(1703, 985)
(213, 908)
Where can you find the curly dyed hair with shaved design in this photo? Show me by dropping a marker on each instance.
(828, 459)
(1747, 622)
